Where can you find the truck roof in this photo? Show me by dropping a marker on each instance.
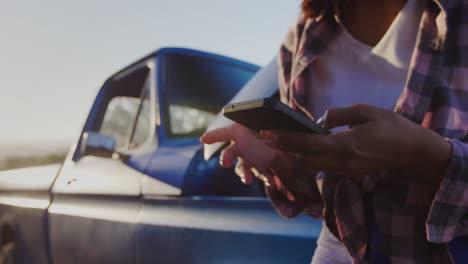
(185, 51)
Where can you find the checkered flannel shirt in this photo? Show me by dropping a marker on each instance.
(416, 219)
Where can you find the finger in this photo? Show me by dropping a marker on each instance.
(218, 135)
(276, 181)
(228, 155)
(298, 142)
(351, 115)
(244, 172)
(245, 175)
(275, 195)
(249, 176)
(262, 174)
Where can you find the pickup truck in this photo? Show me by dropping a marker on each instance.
(136, 187)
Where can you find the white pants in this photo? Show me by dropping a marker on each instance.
(329, 249)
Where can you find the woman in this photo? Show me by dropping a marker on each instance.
(390, 185)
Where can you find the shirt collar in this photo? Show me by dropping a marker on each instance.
(317, 33)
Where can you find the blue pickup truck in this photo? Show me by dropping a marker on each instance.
(136, 187)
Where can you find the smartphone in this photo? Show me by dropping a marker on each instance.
(271, 114)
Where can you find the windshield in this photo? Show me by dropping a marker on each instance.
(195, 89)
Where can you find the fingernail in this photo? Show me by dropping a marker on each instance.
(202, 138)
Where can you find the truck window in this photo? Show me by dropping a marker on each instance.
(195, 89)
(127, 115)
(187, 120)
(118, 118)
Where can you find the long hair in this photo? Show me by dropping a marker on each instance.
(316, 8)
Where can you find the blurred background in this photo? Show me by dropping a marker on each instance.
(55, 54)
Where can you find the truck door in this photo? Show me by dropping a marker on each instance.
(215, 218)
(96, 198)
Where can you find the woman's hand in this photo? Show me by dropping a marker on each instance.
(250, 149)
(281, 172)
(377, 140)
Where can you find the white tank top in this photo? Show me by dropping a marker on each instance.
(351, 72)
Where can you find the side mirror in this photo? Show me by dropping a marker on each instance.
(96, 144)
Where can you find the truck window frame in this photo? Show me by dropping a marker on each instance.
(148, 90)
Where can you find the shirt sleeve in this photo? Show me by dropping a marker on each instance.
(448, 216)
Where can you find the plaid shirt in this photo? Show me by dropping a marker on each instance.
(416, 219)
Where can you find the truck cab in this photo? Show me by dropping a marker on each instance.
(136, 188)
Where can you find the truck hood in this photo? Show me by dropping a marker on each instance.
(29, 179)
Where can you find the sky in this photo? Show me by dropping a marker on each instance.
(55, 54)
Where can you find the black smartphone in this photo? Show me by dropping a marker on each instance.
(271, 114)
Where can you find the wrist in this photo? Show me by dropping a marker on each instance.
(432, 158)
